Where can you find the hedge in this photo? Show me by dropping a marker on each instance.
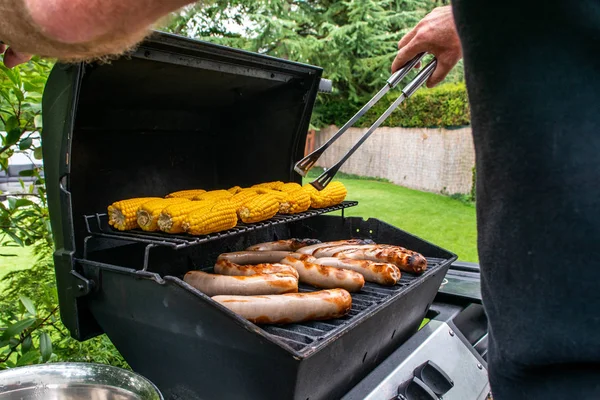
(444, 106)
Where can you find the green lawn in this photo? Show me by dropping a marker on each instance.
(447, 222)
(20, 257)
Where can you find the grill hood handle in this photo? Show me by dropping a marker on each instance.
(304, 165)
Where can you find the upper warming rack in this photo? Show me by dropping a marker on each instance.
(97, 225)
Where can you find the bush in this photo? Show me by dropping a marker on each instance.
(444, 106)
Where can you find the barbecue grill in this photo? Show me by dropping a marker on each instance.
(179, 114)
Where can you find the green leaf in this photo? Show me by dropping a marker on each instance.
(29, 306)
(38, 154)
(17, 328)
(25, 144)
(28, 358)
(27, 172)
(27, 344)
(11, 123)
(12, 137)
(10, 73)
(45, 346)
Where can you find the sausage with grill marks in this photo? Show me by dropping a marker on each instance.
(284, 245)
(225, 267)
(215, 285)
(330, 251)
(254, 257)
(406, 260)
(290, 308)
(311, 249)
(382, 273)
(324, 277)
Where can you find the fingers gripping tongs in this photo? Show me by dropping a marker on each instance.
(304, 165)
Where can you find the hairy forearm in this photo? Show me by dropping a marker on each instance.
(79, 21)
(79, 29)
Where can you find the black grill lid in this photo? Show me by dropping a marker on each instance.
(175, 114)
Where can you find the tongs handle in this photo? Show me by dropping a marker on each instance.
(322, 181)
(303, 166)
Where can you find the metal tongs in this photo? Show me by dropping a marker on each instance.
(304, 165)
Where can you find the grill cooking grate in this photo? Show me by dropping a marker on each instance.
(303, 337)
(97, 225)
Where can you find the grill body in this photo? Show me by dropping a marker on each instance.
(182, 114)
(193, 348)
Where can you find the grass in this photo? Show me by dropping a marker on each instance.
(18, 258)
(447, 222)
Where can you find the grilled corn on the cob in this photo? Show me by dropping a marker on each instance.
(333, 194)
(148, 213)
(122, 215)
(270, 185)
(171, 218)
(220, 217)
(185, 194)
(235, 189)
(214, 195)
(259, 208)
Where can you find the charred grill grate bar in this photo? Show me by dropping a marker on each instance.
(97, 225)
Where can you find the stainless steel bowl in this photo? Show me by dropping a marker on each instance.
(74, 381)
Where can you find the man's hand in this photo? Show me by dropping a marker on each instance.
(435, 34)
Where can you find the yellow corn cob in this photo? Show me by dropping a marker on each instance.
(122, 215)
(270, 185)
(290, 187)
(171, 218)
(235, 189)
(220, 217)
(242, 197)
(281, 196)
(214, 195)
(148, 213)
(297, 201)
(186, 194)
(333, 194)
(259, 208)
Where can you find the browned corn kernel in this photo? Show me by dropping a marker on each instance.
(235, 189)
(171, 218)
(297, 201)
(122, 215)
(270, 185)
(259, 208)
(185, 194)
(220, 217)
(333, 194)
(214, 195)
(148, 213)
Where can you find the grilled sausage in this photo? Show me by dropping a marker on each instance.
(406, 260)
(254, 257)
(311, 249)
(330, 251)
(324, 277)
(383, 273)
(225, 267)
(283, 245)
(290, 308)
(214, 285)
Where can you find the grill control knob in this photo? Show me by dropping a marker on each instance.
(435, 378)
(415, 389)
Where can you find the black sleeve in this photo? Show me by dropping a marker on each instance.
(533, 76)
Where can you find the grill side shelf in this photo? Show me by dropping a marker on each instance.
(97, 225)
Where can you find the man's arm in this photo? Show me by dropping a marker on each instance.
(77, 29)
(435, 34)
